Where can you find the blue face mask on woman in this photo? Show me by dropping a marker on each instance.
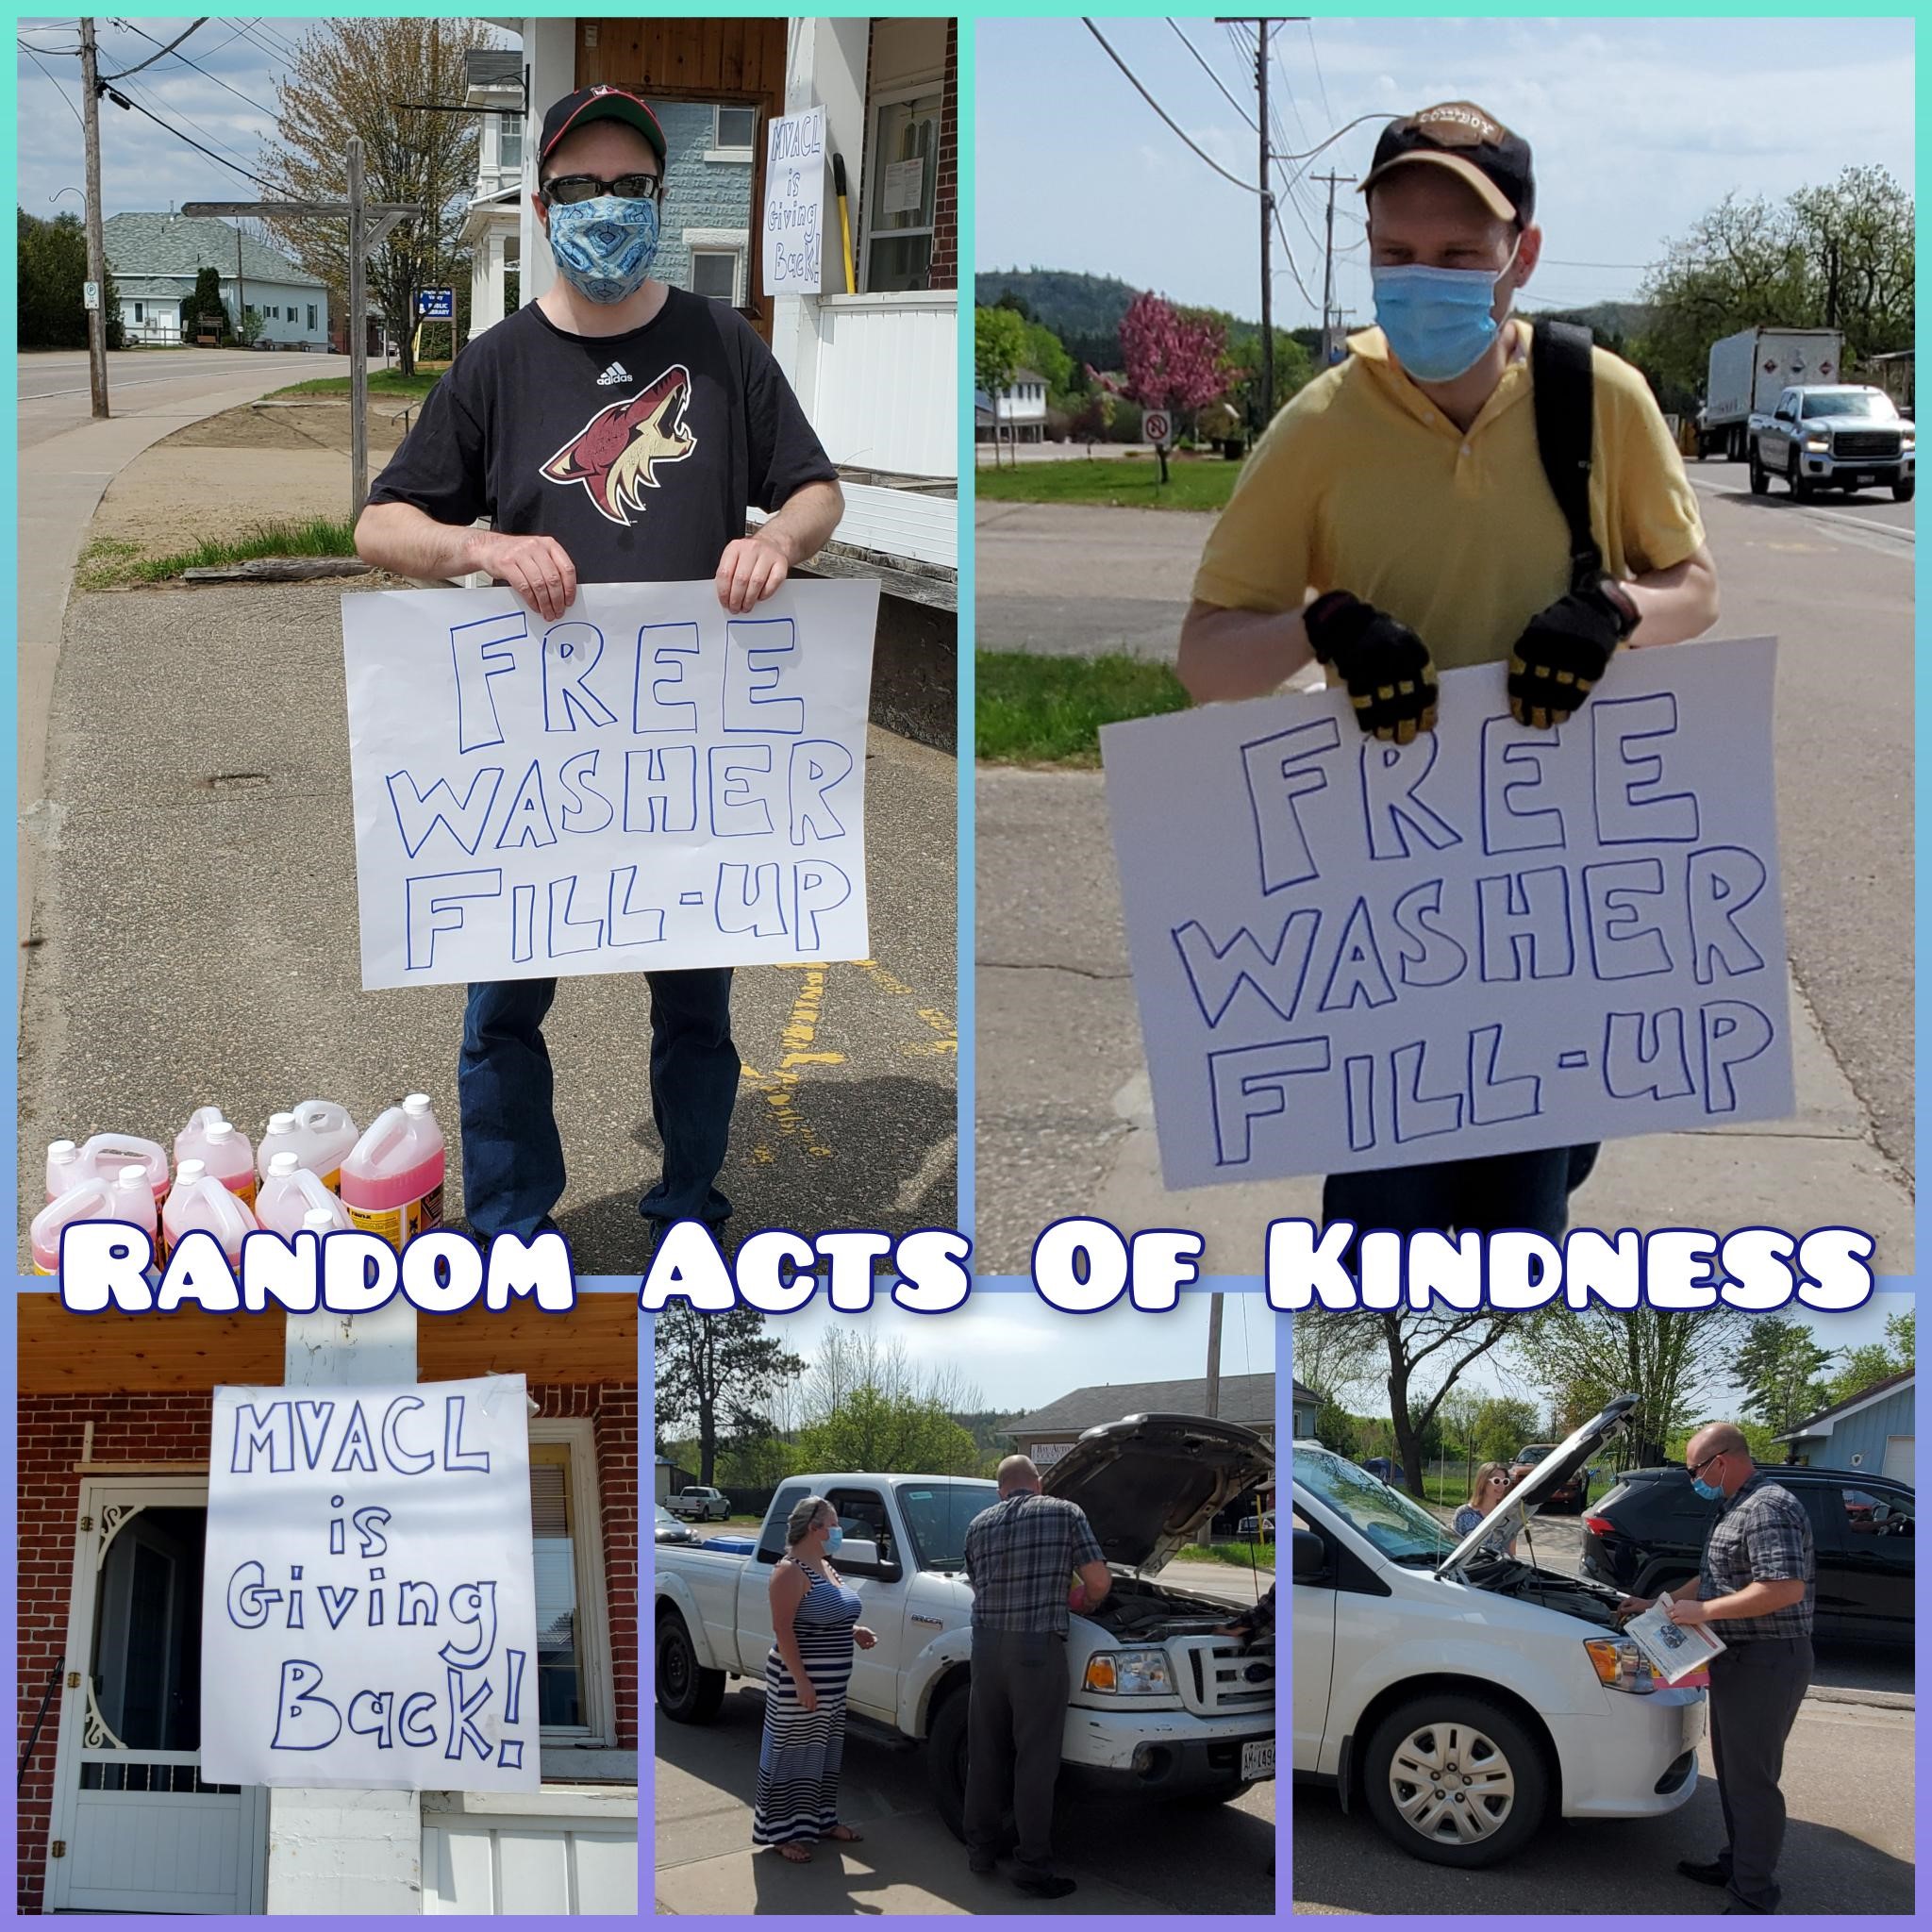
(834, 1537)
(1438, 321)
(604, 247)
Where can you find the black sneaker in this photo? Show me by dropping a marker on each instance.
(1713, 1872)
(1045, 1888)
(981, 1863)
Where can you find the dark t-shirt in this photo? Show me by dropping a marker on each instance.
(640, 452)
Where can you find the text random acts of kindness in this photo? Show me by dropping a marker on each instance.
(370, 1611)
(648, 783)
(1349, 955)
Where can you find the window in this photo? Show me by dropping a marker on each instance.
(733, 131)
(718, 263)
(510, 140)
(311, 318)
(1869, 1514)
(574, 1700)
(771, 1542)
(139, 313)
(904, 187)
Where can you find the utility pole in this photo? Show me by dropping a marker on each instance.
(1267, 320)
(96, 245)
(241, 288)
(1213, 1402)
(1328, 273)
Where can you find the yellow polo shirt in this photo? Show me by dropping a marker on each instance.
(1361, 484)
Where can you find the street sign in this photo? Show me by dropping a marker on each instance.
(90, 294)
(436, 305)
(1156, 426)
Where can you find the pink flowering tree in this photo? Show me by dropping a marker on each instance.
(1174, 362)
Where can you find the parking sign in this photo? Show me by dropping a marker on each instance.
(1156, 426)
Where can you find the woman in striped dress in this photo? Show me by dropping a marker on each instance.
(814, 1626)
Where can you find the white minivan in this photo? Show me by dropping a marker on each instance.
(1462, 1695)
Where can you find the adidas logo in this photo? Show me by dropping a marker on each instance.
(616, 373)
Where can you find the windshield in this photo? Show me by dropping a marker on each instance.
(936, 1516)
(665, 1518)
(1401, 1528)
(1851, 403)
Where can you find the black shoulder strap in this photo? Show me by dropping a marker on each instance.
(1564, 386)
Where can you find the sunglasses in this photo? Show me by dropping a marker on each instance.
(567, 190)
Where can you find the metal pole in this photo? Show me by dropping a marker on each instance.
(1214, 1355)
(1267, 234)
(358, 339)
(240, 290)
(96, 245)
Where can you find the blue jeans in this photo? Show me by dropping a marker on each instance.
(1495, 1191)
(512, 1154)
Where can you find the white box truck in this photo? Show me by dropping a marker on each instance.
(1750, 370)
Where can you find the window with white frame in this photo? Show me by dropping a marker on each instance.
(139, 313)
(733, 132)
(718, 258)
(510, 140)
(575, 1699)
(903, 189)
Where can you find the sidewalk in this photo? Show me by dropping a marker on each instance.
(196, 939)
(1066, 1116)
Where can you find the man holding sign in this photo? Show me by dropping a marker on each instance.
(1406, 491)
(613, 431)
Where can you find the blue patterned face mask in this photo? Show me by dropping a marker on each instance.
(604, 247)
(1438, 321)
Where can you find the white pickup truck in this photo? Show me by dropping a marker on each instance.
(1160, 1705)
(1837, 435)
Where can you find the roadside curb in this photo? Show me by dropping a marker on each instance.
(1882, 1700)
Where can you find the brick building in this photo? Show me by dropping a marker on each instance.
(114, 1416)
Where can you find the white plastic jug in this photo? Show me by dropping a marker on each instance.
(88, 1200)
(201, 1203)
(107, 1154)
(393, 1179)
(65, 1167)
(326, 1221)
(319, 1135)
(134, 1198)
(220, 1147)
(292, 1195)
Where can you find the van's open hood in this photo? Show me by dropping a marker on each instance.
(1526, 1497)
(1149, 1482)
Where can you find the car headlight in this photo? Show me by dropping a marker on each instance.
(1620, 1665)
(1818, 443)
(1129, 1674)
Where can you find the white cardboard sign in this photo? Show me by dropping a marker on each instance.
(648, 783)
(368, 1604)
(1349, 955)
(795, 203)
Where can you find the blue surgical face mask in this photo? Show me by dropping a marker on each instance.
(604, 247)
(1709, 1492)
(834, 1537)
(1438, 321)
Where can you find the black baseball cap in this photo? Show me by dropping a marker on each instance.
(601, 103)
(1468, 142)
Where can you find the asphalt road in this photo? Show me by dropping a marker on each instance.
(1126, 1859)
(194, 940)
(1848, 1786)
(55, 396)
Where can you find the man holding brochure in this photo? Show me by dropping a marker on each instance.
(1757, 1585)
(615, 430)
(1399, 518)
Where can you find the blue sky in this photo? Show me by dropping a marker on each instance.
(1638, 127)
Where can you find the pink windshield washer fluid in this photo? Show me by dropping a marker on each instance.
(324, 1134)
(290, 1194)
(201, 1202)
(88, 1200)
(222, 1148)
(393, 1179)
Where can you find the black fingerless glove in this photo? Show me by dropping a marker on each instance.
(1564, 650)
(1384, 664)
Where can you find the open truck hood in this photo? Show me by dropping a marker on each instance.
(1149, 1482)
(1526, 1497)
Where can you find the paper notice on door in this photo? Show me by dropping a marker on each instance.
(904, 187)
(1675, 1651)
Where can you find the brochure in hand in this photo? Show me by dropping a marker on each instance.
(1675, 1650)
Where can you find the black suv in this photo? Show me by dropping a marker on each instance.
(1649, 1531)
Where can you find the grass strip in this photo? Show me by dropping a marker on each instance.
(111, 564)
(1036, 709)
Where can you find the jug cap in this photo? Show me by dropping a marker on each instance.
(323, 1220)
(61, 1150)
(218, 1131)
(282, 1123)
(133, 1176)
(415, 1105)
(189, 1172)
(282, 1164)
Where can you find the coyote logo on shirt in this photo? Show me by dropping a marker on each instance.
(616, 455)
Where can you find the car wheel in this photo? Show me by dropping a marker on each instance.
(1761, 477)
(1795, 476)
(1902, 493)
(686, 1693)
(1455, 1780)
(946, 1760)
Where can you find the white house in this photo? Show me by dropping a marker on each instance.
(1020, 412)
(875, 366)
(155, 261)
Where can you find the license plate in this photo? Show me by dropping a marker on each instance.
(1258, 1760)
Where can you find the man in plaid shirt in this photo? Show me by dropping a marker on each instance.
(1758, 1584)
(1021, 1556)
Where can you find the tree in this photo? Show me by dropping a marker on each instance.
(1782, 1367)
(892, 1433)
(248, 331)
(713, 1368)
(352, 77)
(1334, 1355)
(999, 346)
(1043, 352)
(1504, 1424)
(1091, 422)
(1172, 364)
(1872, 1363)
(206, 300)
(51, 270)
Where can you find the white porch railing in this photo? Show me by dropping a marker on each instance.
(887, 395)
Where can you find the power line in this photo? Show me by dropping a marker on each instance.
(153, 58)
(203, 72)
(54, 80)
(1247, 187)
(1211, 74)
(1326, 109)
(122, 100)
(153, 102)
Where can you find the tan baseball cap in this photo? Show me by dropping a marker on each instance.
(1471, 144)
